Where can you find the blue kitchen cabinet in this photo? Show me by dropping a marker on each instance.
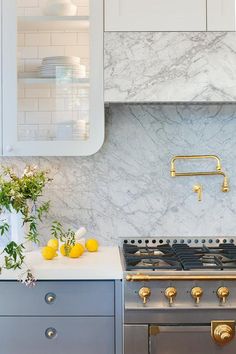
(61, 317)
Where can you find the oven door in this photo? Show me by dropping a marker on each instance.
(136, 339)
(212, 339)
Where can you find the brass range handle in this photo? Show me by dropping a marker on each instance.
(50, 298)
(223, 294)
(223, 332)
(197, 293)
(170, 294)
(144, 294)
(51, 333)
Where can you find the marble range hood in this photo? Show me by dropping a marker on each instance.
(170, 67)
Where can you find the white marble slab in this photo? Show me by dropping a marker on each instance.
(125, 190)
(170, 67)
(102, 265)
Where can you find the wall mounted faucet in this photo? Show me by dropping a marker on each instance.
(218, 172)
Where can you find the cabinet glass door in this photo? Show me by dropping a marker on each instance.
(52, 77)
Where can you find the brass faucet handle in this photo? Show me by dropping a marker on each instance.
(198, 189)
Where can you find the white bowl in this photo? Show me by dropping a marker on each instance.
(60, 9)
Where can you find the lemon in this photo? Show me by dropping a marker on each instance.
(48, 253)
(76, 251)
(53, 243)
(92, 245)
(65, 250)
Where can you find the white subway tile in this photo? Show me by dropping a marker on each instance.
(37, 39)
(37, 93)
(62, 38)
(27, 104)
(21, 39)
(83, 39)
(38, 117)
(51, 104)
(20, 118)
(27, 52)
(27, 3)
(51, 51)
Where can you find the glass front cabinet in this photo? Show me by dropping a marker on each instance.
(52, 77)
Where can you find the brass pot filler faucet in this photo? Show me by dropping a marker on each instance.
(198, 188)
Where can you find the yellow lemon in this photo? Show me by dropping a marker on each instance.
(48, 253)
(53, 243)
(76, 251)
(65, 250)
(92, 245)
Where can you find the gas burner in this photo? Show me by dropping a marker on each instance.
(179, 256)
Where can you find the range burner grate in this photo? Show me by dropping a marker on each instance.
(179, 257)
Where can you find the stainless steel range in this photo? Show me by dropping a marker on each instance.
(180, 295)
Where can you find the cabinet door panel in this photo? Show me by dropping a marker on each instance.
(155, 15)
(22, 335)
(52, 80)
(221, 15)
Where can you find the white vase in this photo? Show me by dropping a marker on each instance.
(60, 8)
(20, 231)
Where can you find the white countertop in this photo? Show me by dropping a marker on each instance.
(102, 265)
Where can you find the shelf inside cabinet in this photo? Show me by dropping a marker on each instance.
(52, 23)
(26, 80)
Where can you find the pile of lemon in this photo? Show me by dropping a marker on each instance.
(50, 251)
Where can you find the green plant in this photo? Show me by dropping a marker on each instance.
(21, 194)
(66, 236)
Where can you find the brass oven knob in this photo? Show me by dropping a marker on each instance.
(144, 293)
(197, 293)
(223, 293)
(223, 334)
(170, 294)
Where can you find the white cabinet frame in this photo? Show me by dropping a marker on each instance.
(11, 145)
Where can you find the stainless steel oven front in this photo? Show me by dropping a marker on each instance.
(215, 338)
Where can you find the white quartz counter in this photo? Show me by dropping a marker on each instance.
(102, 265)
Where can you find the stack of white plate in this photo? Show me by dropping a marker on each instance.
(60, 67)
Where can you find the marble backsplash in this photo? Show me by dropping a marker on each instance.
(126, 189)
(170, 66)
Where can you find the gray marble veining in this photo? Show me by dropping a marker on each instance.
(126, 189)
(170, 67)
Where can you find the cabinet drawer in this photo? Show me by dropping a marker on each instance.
(81, 335)
(55, 298)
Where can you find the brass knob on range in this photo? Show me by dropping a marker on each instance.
(197, 293)
(223, 334)
(144, 294)
(223, 293)
(170, 294)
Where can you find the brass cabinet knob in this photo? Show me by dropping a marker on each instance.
(223, 293)
(197, 293)
(50, 298)
(144, 293)
(170, 294)
(223, 334)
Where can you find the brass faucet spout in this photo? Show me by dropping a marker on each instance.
(218, 172)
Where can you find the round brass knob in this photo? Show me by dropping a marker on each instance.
(223, 293)
(223, 334)
(144, 293)
(197, 293)
(170, 294)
